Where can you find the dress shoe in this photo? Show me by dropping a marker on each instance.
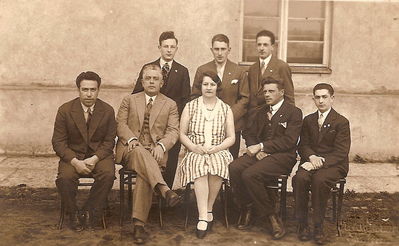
(172, 199)
(303, 232)
(139, 235)
(245, 219)
(278, 230)
(201, 233)
(74, 222)
(318, 235)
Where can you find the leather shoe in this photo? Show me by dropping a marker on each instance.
(139, 235)
(201, 233)
(319, 235)
(303, 232)
(278, 230)
(245, 218)
(172, 199)
(74, 222)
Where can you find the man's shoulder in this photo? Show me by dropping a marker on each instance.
(291, 107)
(179, 65)
(167, 100)
(279, 62)
(104, 105)
(68, 105)
(206, 66)
(339, 116)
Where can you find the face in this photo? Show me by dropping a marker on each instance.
(168, 49)
(152, 82)
(323, 100)
(220, 51)
(264, 46)
(88, 92)
(272, 94)
(208, 87)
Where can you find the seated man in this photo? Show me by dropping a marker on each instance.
(271, 152)
(324, 149)
(147, 127)
(84, 138)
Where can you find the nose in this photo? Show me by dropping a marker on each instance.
(89, 93)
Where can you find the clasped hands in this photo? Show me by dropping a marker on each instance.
(157, 151)
(202, 150)
(85, 166)
(315, 162)
(256, 150)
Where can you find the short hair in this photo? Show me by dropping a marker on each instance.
(221, 38)
(167, 35)
(152, 67)
(270, 80)
(89, 75)
(213, 76)
(321, 86)
(266, 33)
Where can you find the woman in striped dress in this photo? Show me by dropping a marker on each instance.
(207, 131)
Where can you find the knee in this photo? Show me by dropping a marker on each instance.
(319, 181)
(301, 177)
(249, 176)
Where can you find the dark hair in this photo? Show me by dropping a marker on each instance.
(266, 33)
(167, 35)
(215, 79)
(325, 86)
(270, 80)
(89, 75)
(220, 38)
(152, 67)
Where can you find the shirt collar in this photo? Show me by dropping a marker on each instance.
(325, 114)
(85, 108)
(147, 98)
(276, 106)
(266, 60)
(162, 62)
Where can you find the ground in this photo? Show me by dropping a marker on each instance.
(29, 217)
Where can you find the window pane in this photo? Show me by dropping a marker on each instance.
(261, 8)
(303, 9)
(253, 26)
(305, 52)
(306, 30)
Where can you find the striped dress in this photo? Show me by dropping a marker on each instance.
(207, 128)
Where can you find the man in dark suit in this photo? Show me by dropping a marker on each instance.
(324, 148)
(148, 127)
(176, 86)
(234, 89)
(271, 152)
(84, 138)
(267, 66)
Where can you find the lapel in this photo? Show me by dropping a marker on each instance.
(227, 73)
(79, 118)
(156, 109)
(262, 119)
(98, 114)
(271, 67)
(172, 74)
(327, 123)
(278, 115)
(140, 107)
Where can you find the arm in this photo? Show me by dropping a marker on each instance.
(196, 89)
(172, 129)
(240, 107)
(230, 135)
(60, 138)
(138, 87)
(285, 73)
(341, 146)
(185, 91)
(106, 148)
(305, 146)
(123, 131)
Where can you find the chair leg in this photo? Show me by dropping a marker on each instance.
(334, 204)
(186, 203)
(283, 199)
(340, 199)
(160, 205)
(130, 194)
(103, 221)
(121, 197)
(62, 214)
(224, 194)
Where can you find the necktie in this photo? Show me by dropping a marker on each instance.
(263, 67)
(320, 121)
(269, 113)
(145, 138)
(89, 114)
(165, 72)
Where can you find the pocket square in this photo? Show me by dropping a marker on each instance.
(283, 124)
(234, 81)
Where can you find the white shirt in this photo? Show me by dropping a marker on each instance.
(162, 63)
(266, 60)
(276, 106)
(85, 110)
(325, 114)
(220, 70)
(147, 99)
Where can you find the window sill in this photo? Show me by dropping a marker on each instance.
(297, 69)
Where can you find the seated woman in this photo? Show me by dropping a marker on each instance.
(207, 131)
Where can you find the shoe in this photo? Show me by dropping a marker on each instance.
(303, 232)
(74, 222)
(318, 235)
(201, 233)
(245, 219)
(278, 230)
(172, 199)
(210, 223)
(139, 235)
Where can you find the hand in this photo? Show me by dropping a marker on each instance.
(260, 155)
(133, 144)
(316, 161)
(80, 166)
(308, 166)
(199, 149)
(212, 150)
(253, 149)
(158, 153)
(91, 162)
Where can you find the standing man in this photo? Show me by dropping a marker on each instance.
(176, 86)
(324, 148)
(267, 66)
(84, 138)
(271, 152)
(234, 89)
(148, 127)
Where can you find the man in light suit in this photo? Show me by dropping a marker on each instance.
(324, 148)
(147, 128)
(84, 138)
(234, 89)
(271, 152)
(267, 66)
(176, 86)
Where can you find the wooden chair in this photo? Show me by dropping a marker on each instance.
(338, 190)
(282, 187)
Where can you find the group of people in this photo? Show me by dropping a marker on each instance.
(224, 105)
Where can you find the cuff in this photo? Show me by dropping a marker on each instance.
(163, 146)
(131, 139)
(261, 146)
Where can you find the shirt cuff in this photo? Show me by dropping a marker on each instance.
(162, 146)
(261, 146)
(131, 139)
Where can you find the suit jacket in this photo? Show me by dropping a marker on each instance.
(177, 87)
(332, 142)
(276, 69)
(163, 122)
(234, 90)
(71, 139)
(285, 126)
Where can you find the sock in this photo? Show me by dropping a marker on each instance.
(210, 216)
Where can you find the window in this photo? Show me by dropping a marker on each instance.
(302, 30)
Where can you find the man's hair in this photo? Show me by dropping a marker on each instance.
(152, 67)
(266, 33)
(89, 75)
(221, 38)
(270, 80)
(321, 86)
(167, 35)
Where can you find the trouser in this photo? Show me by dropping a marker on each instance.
(171, 165)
